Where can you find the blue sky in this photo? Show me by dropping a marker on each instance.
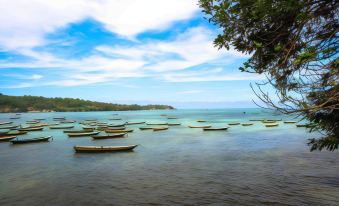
(150, 51)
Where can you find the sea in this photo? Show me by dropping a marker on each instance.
(244, 165)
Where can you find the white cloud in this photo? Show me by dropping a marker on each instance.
(25, 23)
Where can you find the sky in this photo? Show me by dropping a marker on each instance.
(120, 51)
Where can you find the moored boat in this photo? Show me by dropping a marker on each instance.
(234, 123)
(104, 148)
(146, 128)
(268, 121)
(160, 128)
(37, 139)
(130, 123)
(3, 123)
(88, 128)
(117, 135)
(118, 130)
(247, 124)
(301, 125)
(205, 126)
(83, 134)
(201, 120)
(9, 127)
(116, 125)
(32, 122)
(115, 119)
(6, 138)
(15, 133)
(59, 118)
(15, 117)
(174, 124)
(272, 125)
(67, 121)
(160, 123)
(77, 131)
(31, 129)
(172, 118)
(61, 127)
(216, 129)
(290, 122)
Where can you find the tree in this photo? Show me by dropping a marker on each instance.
(295, 44)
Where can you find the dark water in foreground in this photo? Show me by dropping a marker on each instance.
(251, 165)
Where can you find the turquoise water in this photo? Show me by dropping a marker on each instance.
(251, 165)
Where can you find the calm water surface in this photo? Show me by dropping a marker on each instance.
(251, 165)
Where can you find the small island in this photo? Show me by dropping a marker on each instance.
(42, 104)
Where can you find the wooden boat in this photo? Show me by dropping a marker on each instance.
(201, 120)
(146, 128)
(164, 115)
(77, 131)
(268, 121)
(272, 125)
(9, 127)
(83, 134)
(174, 124)
(164, 123)
(32, 122)
(3, 123)
(44, 124)
(6, 138)
(247, 124)
(14, 117)
(102, 128)
(37, 139)
(115, 119)
(68, 121)
(206, 126)
(61, 127)
(116, 125)
(290, 122)
(104, 148)
(234, 123)
(118, 130)
(160, 128)
(87, 128)
(16, 133)
(301, 125)
(34, 126)
(172, 118)
(31, 129)
(130, 123)
(59, 118)
(39, 119)
(117, 135)
(215, 129)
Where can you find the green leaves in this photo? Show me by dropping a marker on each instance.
(295, 44)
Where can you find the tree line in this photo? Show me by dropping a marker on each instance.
(38, 103)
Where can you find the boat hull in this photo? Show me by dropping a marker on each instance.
(90, 149)
(24, 141)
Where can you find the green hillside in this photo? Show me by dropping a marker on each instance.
(35, 103)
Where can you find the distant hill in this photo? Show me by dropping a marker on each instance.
(43, 104)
